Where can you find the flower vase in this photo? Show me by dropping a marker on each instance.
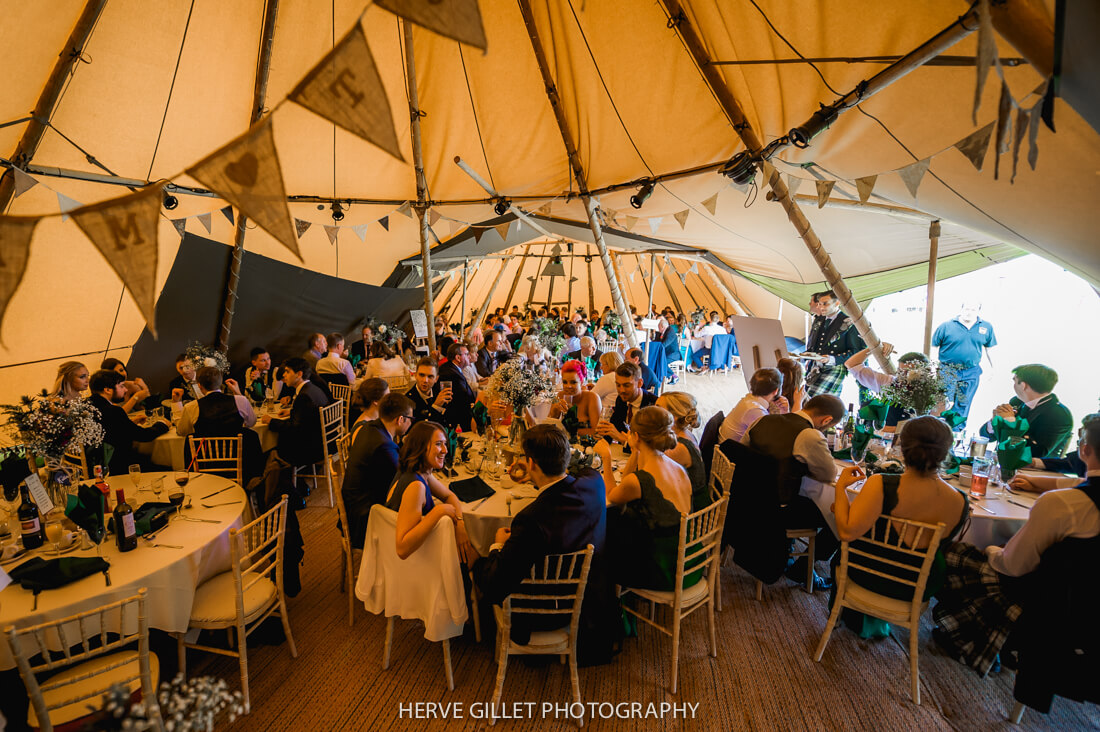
(516, 431)
(60, 482)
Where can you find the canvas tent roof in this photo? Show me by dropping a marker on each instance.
(159, 88)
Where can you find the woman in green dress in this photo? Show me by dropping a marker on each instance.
(685, 415)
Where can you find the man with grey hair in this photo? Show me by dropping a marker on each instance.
(589, 355)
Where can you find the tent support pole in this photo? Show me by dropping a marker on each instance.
(686, 288)
(738, 306)
(645, 285)
(933, 253)
(51, 94)
(668, 285)
(422, 204)
(652, 283)
(782, 194)
(462, 313)
(578, 172)
(591, 292)
(259, 96)
(489, 298)
(717, 300)
(446, 302)
(515, 282)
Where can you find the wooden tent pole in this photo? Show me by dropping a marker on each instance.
(462, 312)
(685, 286)
(515, 282)
(489, 298)
(578, 172)
(933, 253)
(668, 286)
(738, 307)
(736, 116)
(591, 291)
(645, 285)
(51, 93)
(422, 204)
(259, 97)
(652, 283)
(714, 298)
(569, 296)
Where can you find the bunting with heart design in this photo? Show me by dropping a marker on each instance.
(15, 247)
(346, 89)
(457, 19)
(246, 173)
(124, 230)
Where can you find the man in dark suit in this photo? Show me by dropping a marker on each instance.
(1049, 422)
(119, 431)
(459, 411)
(650, 382)
(429, 398)
(372, 462)
(835, 338)
(360, 350)
(300, 431)
(569, 514)
(630, 397)
(488, 357)
(589, 355)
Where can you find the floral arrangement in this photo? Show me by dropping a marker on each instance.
(521, 387)
(549, 335)
(202, 355)
(49, 427)
(384, 331)
(612, 324)
(198, 704)
(918, 387)
(698, 318)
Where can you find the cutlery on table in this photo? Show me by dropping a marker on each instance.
(223, 490)
(978, 505)
(107, 575)
(154, 544)
(1017, 503)
(215, 505)
(483, 500)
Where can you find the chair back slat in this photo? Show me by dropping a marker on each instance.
(332, 425)
(882, 551)
(77, 459)
(557, 570)
(221, 456)
(398, 383)
(703, 530)
(721, 474)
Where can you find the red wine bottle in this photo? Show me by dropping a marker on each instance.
(125, 529)
(30, 524)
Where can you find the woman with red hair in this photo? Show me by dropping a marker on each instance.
(574, 402)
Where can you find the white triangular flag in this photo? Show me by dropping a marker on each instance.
(361, 231)
(405, 209)
(911, 175)
(204, 219)
(332, 231)
(682, 217)
(66, 204)
(694, 269)
(655, 223)
(793, 183)
(711, 204)
(630, 222)
(23, 182)
(683, 278)
(630, 276)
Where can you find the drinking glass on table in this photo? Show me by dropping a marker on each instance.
(979, 477)
(158, 487)
(135, 476)
(54, 532)
(859, 453)
(182, 476)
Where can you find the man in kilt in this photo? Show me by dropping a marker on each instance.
(834, 337)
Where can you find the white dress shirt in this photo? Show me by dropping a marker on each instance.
(708, 332)
(742, 417)
(334, 364)
(190, 415)
(1066, 513)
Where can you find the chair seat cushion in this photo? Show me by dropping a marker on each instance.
(215, 600)
(550, 640)
(885, 608)
(97, 686)
(692, 595)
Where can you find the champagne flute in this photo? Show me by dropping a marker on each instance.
(135, 476)
(54, 532)
(158, 487)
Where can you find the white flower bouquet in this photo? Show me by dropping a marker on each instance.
(202, 355)
(521, 387)
(49, 426)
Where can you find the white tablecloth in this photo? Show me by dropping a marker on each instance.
(168, 448)
(170, 575)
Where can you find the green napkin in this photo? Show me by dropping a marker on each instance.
(37, 574)
(953, 419)
(85, 509)
(1003, 430)
(152, 516)
(1013, 454)
(874, 411)
(862, 437)
(571, 423)
(844, 454)
(481, 416)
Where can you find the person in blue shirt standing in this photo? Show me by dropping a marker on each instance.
(960, 342)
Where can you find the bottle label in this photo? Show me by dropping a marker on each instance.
(128, 527)
(30, 526)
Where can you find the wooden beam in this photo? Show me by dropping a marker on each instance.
(652, 283)
(1025, 24)
(422, 204)
(259, 97)
(515, 282)
(489, 298)
(578, 172)
(738, 306)
(668, 286)
(591, 291)
(694, 44)
(933, 253)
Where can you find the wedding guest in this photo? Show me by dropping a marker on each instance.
(649, 378)
(120, 432)
(136, 390)
(366, 398)
(763, 398)
(655, 491)
(605, 385)
(470, 369)
(372, 461)
(183, 387)
(360, 350)
(259, 377)
(584, 406)
(794, 388)
(572, 342)
(707, 333)
(685, 415)
(960, 343)
(315, 350)
(221, 414)
(918, 494)
(670, 339)
(429, 399)
(630, 399)
(299, 431)
(488, 358)
(796, 442)
(532, 351)
(1049, 422)
(873, 380)
(443, 339)
(333, 367)
(459, 410)
(835, 338)
(569, 514)
(71, 381)
(1071, 463)
(384, 362)
(589, 355)
(424, 451)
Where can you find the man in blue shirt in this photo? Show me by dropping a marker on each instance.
(960, 342)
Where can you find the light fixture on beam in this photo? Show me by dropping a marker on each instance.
(502, 207)
(643, 194)
(337, 211)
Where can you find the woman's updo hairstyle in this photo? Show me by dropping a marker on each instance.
(684, 409)
(653, 425)
(925, 442)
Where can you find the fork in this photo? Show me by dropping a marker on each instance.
(152, 543)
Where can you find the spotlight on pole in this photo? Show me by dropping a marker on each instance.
(170, 201)
(501, 207)
(741, 168)
(337, 211)
(642, 195)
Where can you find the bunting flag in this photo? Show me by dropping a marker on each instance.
(864, 186)
(478, 233)
(385, 221)
(544, 209)
(346, 89)
(1004, 128)
(694, 268)
(181, 226)
(227, 212)
(204, 219)
(682, 276)
(711, 204)
(824, 188)
(246, 173)
(682, 217)
(655, 223)
(124, 230)
(793, 184)
(332, 231)
(405, 209)
(66, 205)
(631, 222)
(987, 52)
(1033, 134)
(23, 182)
(975, 145)
(361, 232)
(15, 247)
(301, 226)
(457, 19)
(502, 229)
(433, 217)
(630, 276)
(1023, 123)
(911, 175)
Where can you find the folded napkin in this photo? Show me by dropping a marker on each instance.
(37, 574)
(862, 436)
(480, 413)
(471, 489)
(10, 551)
(1003, 430)
(874, 411)
(953, 419)
(149, 517)
(1012, 454)
(85, 509)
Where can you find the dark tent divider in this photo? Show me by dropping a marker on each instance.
(278, 306)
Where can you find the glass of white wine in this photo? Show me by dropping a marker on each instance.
(54, 532)
(135, 476)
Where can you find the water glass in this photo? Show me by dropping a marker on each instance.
(979, 478)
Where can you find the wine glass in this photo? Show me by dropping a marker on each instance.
(176, 499)
(158, 487)
(859, 453)
(182, 476)
(135, 476)
(54, 532)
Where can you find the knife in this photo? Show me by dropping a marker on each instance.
(223, 490)
(1017, 503)
(107, 575)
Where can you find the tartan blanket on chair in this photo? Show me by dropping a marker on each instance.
(974, 613)
(825, 379)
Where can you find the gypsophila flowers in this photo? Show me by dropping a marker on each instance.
(521, 387)
(49, 426)
(202, 355)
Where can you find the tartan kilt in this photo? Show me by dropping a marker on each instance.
(825, 380)
(973, 612)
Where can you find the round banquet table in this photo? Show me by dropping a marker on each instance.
(170, 575)
(485, 516)
(168, 448)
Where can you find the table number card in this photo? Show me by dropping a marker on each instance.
(38, 492)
